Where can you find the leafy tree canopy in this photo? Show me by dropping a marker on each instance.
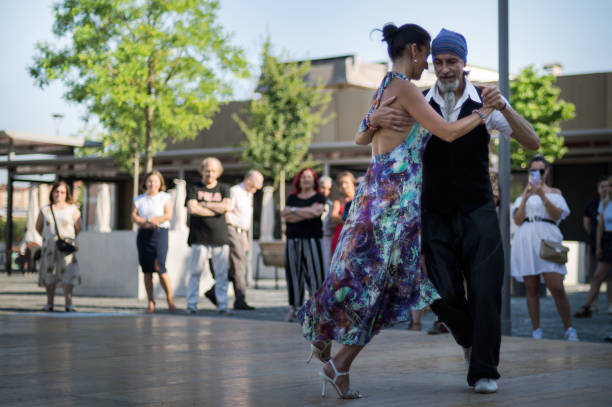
(536, 98)
(147, 71)
(282, 121)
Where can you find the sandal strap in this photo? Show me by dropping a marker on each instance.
(336, 372)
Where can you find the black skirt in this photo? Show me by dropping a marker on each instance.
(606, 248)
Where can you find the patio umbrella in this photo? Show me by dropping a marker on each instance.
(31, 235)
(43, 195)
(267, 214)
(103, 209)
(179, 219)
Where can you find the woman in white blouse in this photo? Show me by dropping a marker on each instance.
(152, 213)
(537, 212)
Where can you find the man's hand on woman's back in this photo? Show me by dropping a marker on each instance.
(387, 117)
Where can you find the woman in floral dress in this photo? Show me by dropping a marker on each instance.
(376, 276)
(56, 265)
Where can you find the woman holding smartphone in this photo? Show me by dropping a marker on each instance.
(537, 212)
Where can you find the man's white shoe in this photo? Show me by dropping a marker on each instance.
(537, 333)
(486, 386)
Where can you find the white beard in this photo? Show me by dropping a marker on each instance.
(448, 92)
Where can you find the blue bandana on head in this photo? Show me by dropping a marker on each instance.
(449, 42)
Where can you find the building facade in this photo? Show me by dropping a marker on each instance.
(351, 83)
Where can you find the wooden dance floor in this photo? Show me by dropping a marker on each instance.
(165, 360)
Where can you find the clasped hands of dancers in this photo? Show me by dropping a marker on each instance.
(421, 144)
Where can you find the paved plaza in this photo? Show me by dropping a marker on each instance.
(20, 294)
(112, 354)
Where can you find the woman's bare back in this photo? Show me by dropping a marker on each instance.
(385, 140)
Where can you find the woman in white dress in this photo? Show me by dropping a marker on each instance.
(56, 265)
(537, 212)
(152, 213)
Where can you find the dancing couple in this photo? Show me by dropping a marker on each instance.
(437, 144)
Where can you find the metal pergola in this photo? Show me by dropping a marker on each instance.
(14, 143)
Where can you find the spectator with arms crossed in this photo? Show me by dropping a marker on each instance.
(207, 202)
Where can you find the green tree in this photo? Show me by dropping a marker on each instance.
(536, 98)
(19, 229)
(281, 122)
(147, 71)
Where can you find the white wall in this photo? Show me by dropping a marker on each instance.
(576, 266)
(109, 265)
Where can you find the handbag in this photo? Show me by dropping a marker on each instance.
(553, 251)
(61, 244)
(549, 249)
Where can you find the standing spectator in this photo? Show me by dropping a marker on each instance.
(326, 184)
(346, 183)
(207, 202)
(304, 260)
(537, 212)
(152, 213)
(239, 220)
(62, 216)
(347, 206)
(603, 252)
(590, 225)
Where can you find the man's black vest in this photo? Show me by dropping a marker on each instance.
(456, 175)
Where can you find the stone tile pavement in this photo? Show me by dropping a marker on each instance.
(19, 294)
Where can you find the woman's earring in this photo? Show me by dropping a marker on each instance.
(414, 60)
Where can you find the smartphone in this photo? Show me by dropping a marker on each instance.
(534, 177)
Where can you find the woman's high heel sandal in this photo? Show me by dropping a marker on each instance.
(350, 394)
(583, 312)
(322, 354)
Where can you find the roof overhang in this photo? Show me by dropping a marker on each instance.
(171, 161)
(22, 142)
(587, 145)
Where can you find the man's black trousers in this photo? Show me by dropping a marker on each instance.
(468, 245)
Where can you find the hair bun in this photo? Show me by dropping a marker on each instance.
(389, 31)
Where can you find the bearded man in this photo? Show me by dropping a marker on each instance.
(460, 236)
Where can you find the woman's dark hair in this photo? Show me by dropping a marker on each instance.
(397, 38)
(539, 158)
(296, 181)
(55, 186)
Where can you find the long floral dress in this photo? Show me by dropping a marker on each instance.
(376, 276)
(56, 266)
